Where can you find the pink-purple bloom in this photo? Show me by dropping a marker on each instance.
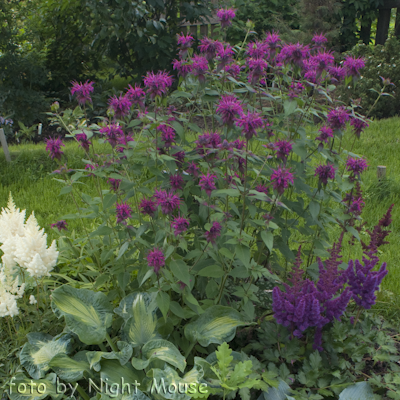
(82, 91)
(53, 146)
(136, 95)
(180, 225)
(325, 172)
(157, 84)
(156, 259)
(83, 141)
(209, 47)
(249, 123)
(185, 42)
(281, 178)
(233, 70)
(356, 165)
(226, 16)
(121, 105)
(257, 67)
(294, 53)
(257, 49)
(352, 65)
(199, 67)
(322, 61)
(176, 181)
(337, 73)
(358, 126)
(183, 67)
(169, 202)
(319, 40)
(148, 207)
(114, 184)
(224, 56)
(60, 225)
(113, 132)
(338, 117)
(229, 107)
(214, 232)
(326, 132)
(124, 212)
(193, 169)
(272, 41)
(283, 149)
(295, 89)
(167, 134)
(207, 183)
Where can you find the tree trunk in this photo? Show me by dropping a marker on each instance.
(382, 27)
(365, 32)
(397, 26)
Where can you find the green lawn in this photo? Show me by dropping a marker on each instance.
(28, 179)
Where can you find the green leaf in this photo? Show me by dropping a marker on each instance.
(162, 350)
(69, 369)
(113, 372)
(212, 271)
(243, 253)
(122, 250)
(279, 393)
(163, 302)
(180, 271)
(216, 325)
(65, 190)
(108, 200)
(123, 356)
(314, 209)
(289, 107)
(139, 313)
(87, 313)
(37, 353)
(358, 391)
(353, 231)
(225, 192)
(224, 358)
(36, 389)
(268, 239)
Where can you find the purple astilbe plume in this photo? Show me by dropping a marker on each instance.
(124, 212)
(364, 282)
(337, 118)
(296, 88)
(193, 169)
(229, 107)
(157, 84)
(136, 95)
(283, 149)
(224, 56)
(83, 141)
(148, 207)
(113, 132)
(280, 179)
(199, 67)
(82, 91)
(233, 70)
(326, 132)
(257, 49)
(60, 225)
(156, 259)
(322, 61)
(121, 105)
(294, 53)
(257, 68)
(226, 16)
(167, 134)
(356, 165)
(325, 172)
(185, 43)
(209, 47)
(176, 181)
(169, 202)
(180, 225)
(207, 183)
(337, 73)
(214, 232)
(319, 40)
(53, 146)
(114, 184)
(358, 126)
(183, 67)
(352, 65)
(249, 123)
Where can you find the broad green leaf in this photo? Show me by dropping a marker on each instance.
(216, 325)
(139, 313)
(163, 302)
(279, 393)
(23, 388)
(289, 107)
(113, 372)
(212, 271)
(160, 349)
(243, 253)
(225, 192)
(88, 314)
(123, 356)
(180, 271)
(314, 209)
(69, 369)
(133, 393)
(358, 391)
(37, 353)
(268, 239)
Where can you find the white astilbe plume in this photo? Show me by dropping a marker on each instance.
(11, 221)
(10, 291)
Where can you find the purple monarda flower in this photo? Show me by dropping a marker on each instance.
(179, 158)
(257, 67)
(180, 225)
(157, 84)
(249, 123)
(257, 49)
(113, 132)
(83, 141)
(224, 56)
(233, 70)
(176, 181)
(363, 281)
(124, 212)
(358, 126)
(319, 40)
(148, 207)
(60, 225)
(295, 89)
(209, 47)
(325, 172)
(120, 105)
(185, 42)
(353, 65)
(169, 202)
(322, 61)
(167, 134)
(193, 169)
(356, 165)
(136, 95)
(294, 53)
(183, 67)
(337, 73)
(337, 118)
(207, 183)
(114, 184)
(82, 91)
(229, 107)
(199, 67)
(280, 179)
(272, 41)
(283, 149)
(214, 232)
(325, 133)
(226, 16)
(156, 259)
(53, 146)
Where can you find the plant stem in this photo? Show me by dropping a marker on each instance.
(111, 343)
(81, 391)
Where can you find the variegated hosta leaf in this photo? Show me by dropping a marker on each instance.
(162, 350)
(282, 392)
(216, 325)
(135, 394)
(120, 376)
(36, 355)
(139, 313)
(70, 369)
(358, 391)
(87, 313)
(23, 388)
(167, 384)
(125, 353)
